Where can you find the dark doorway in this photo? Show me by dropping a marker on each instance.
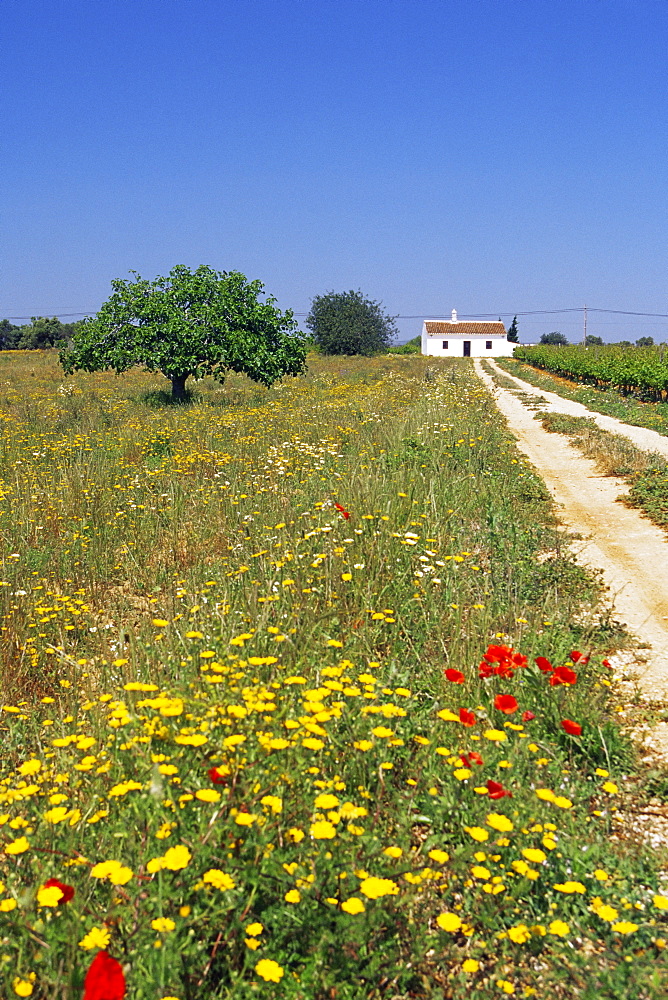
(467, 348)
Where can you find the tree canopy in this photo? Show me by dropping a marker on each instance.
(199, 323)
(349, 323)
(555, 338)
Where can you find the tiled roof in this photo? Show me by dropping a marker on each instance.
(440, 328)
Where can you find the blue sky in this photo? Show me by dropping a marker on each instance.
(486, 155)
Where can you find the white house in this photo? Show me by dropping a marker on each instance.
(451, 339)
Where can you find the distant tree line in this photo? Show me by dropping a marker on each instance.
(42, 332)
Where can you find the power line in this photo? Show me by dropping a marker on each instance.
(431, 315)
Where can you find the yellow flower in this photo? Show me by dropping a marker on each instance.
(97, 937)
(608, 913)
(295, 834)
(519, 934)
(219, 879)
(30, 767)
(117, 873)
(374, 888)
(462, 773)
(499, 822)
(196, 740)
(363, 745)
(252, 943)
(534, 854)
(477, 833)
(495, 735)
(176, 858)
(7, 905)
(610, 787)
(439, 856)
(569, 887)
(326, 802)
(124, 787)
(272, 802)
(559, 928)
(479, 872)
(311, 743)
(353, 906)
(56, 815)
(49, 895)
(600, 875)
(625, 927)
(244, 819)
(269, 970)
(18, 846)
(292, 896)
(254, 929)
(163, 925)
(323, 830)
(449, 922)
(207, 795)
(23, 987)
(393, 852)
(470, 965)
(506, 986)
(660, 902)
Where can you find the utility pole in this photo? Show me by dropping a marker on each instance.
(584, 335)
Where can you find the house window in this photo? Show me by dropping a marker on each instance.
(445, 345)
(488, 345)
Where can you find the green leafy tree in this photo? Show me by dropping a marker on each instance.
(349, 323)
(9, 335)
(645, 342)
(42, 332)
(512, 334)
(592, 341)
(199, 323)
(555, 338)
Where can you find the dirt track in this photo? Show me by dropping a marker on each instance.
(631, 551)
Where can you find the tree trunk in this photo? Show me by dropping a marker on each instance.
(179, 388)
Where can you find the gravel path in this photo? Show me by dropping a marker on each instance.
(631, 552)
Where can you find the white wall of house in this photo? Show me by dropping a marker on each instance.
(464, 340)
(452, 346)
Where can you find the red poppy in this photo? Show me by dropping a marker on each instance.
(563, 675)
(456, 676)
(104, 979)
(543, 664)
(506, 703)
(342, 510)
(606, 663)
(466, 717)
(572, 728)
(575, 655)
(216, 776)
(475, 757)
(497, 791)
(67, 890)
(527, 716)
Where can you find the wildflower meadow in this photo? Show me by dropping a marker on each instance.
(303, 697)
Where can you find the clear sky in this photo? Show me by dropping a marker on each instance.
(495, 156)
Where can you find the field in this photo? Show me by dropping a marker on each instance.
(304, 697)
(632, 370)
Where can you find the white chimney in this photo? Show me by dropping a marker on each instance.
(454, 316)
